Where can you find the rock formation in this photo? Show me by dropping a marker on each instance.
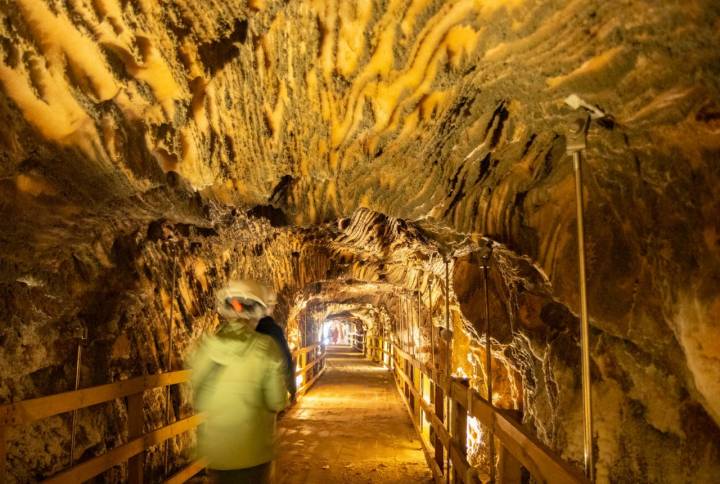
(339, 150)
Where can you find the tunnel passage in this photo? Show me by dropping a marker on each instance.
(387, 281)
(341, 151)
(351, 427)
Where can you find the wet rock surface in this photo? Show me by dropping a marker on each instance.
(337, 150)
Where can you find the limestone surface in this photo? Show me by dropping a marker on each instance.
(342, 151)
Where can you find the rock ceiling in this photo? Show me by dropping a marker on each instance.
(366, 138)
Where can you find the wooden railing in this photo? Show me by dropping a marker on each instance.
(27, 411)
(424, 392)
(378, 350)
(311, 370)
(358, 341)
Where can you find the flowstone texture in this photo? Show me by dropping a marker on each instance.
(339, 150)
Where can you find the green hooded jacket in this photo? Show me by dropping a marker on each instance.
(238, 379)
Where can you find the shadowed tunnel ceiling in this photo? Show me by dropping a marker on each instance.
(339, 150)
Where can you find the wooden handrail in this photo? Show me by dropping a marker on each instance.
(188, 471)
(304, 388)
(91, 468)
(300, 351)
(455, 454)
(27, 411)
(535, 456)
(31, 410)
(437, 472)
(310, 365)
(34, 409)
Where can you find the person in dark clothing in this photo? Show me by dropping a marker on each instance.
(268, 326)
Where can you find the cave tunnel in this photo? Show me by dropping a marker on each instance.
(492, 226)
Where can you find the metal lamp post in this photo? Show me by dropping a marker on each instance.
(488, 356)
(576, 144)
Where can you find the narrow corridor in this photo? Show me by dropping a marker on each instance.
(350, 428)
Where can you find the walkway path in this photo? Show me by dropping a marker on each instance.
(350, 428)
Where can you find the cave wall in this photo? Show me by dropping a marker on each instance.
(642, 406)
(121, 290)
(366, 135)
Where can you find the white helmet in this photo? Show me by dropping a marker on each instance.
(244, 299)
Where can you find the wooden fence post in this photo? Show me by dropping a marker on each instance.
(317, 358)
(440, 413)
(418, 380)
(311, 355)
(509, 468)
(136, 423)
(408, 371)
(303, 362)
(458, 424)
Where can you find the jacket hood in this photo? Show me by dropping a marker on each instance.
(232, 341)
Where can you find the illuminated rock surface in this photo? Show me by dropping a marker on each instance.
(334, 149)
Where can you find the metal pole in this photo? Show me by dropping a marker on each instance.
(418, 328)
(407, 325)
(78, 361)
(432, 327)
(403, 313)
(576, 144)
(488, 360)
(168, 364)
(448, 360)
(585, 325)
(447, 296)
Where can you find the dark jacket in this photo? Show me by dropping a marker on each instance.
(268, 326)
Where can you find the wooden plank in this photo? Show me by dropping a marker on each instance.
(464, 471)
(304, 349)
(93, 467)
(307, 386)
(437, 424)
(534, 455)
(437, 472)
(38, 408)
(417, 379)
(188, 471)
(539, 459)
(429, 372)
(509, 468)
(439, 414)
(460, 464)
(3, 453)
(136, 424)
(305, 368)
(458, 431)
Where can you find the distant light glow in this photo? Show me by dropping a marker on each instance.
(460, 372)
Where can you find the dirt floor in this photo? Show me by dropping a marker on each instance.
(350, 427)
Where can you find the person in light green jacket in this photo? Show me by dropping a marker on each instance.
(238, 380)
